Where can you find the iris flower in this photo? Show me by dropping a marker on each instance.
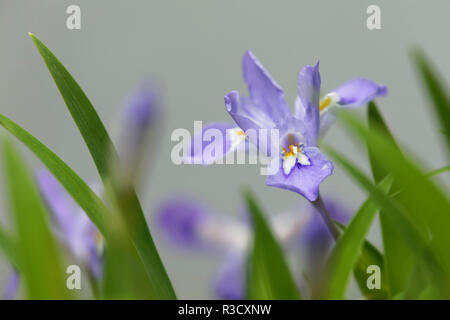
(297, 163)
(190, 225)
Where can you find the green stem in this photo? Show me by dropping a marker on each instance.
(325, 214)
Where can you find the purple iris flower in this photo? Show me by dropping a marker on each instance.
(296, 163)
(188, 224)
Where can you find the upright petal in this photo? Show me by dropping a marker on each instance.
(304, 180)
(358, 92)
(307, 102)
(214, 142)
(266, 95)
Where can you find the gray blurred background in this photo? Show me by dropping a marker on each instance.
(194, 49)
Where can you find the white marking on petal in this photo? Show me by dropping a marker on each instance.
(289, 163)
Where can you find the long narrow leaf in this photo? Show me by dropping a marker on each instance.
(342, 259)
(103, 153)
(40, 258)
(425, 250)
(269, 274)
(435, 88)
(369, 256)
(75, 186)
(398, 258)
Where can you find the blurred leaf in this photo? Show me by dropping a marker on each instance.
(103, 153)
(399, 259)
(436, 172)
(345, 253)
(269, 274)
(39, 254)
(419, 209)
(8, 245)
(437, 92)
(74, 185)
(369, 256)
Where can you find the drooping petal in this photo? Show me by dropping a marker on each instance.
(358, 92)
(307, 102)
(214, 142)
(230, 280)
(12, 286)
(304, 180)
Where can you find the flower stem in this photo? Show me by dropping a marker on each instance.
(325, 214)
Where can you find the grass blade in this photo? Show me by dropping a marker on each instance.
(75, 186)
(345, 253)
(370, 255)
(408, 217)
(398, 258)
(103, 154)
(269, 274)
(436, 91)
(40, 261)
(8, 245)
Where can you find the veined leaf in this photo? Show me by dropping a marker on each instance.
(269, 274)
(345, 253)
(103, 154)
(435, 87)
(41, 264)
(398, 258)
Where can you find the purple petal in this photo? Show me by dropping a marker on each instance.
(304, 180)
(60, 204)
(230, 281)
(265, 93)
(213, 143)
(266, 107)
(73, 227)
(245, 114)
(12, 286)
(358, 92)
(142, 107)
(307, 106)
(180, 219)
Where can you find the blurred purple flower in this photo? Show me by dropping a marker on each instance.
(142, 113)
(296, 164)
(12, 286)
(189, 224)
(71, 224)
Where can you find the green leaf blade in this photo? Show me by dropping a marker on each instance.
(269, 274)
(345, 253)
(40, 259)
(399, 259)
